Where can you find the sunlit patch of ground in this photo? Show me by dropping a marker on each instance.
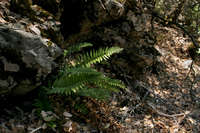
(173, 102)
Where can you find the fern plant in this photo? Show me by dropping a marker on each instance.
(81, 79)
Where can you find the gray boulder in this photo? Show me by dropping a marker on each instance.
(25, 60)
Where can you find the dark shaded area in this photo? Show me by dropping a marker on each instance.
(24, 103)
(24, 72)
(21, 7)
(72, 16)
(49, 5)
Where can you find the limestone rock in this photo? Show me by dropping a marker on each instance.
(25, 60)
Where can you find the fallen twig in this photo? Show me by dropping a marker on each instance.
(167, 115)
(35, 130)
(103, 6)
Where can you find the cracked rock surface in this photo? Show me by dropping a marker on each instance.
(25, 60)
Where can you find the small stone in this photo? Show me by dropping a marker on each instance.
(186, 64)
(66, 114)
(128, 120)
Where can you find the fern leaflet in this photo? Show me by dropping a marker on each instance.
(96, 56)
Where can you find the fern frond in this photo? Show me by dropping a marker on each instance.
(103, 87)
(96, 56)
(74, 80)
(109, 84)
(77, 48)
(80, 70)
(114, 82)
(97, 93)
(84, 80)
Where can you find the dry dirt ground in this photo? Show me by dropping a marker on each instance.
(170, 90)
(167, 99)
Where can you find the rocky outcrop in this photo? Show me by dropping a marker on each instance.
(25, 60)
(112, 23)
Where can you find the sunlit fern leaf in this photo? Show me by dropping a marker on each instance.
(76, 48)
(114, 82)
(84, 80)
(74, 80)
(109, 84)
(96, 56)
(107, 87)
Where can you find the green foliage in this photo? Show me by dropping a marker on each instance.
(198, 51)
(99, 93)
(96, 56)
(42, 103)
(82, 79)
(80, 107)
(52, 124)
(72, 82)
(76, 48)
